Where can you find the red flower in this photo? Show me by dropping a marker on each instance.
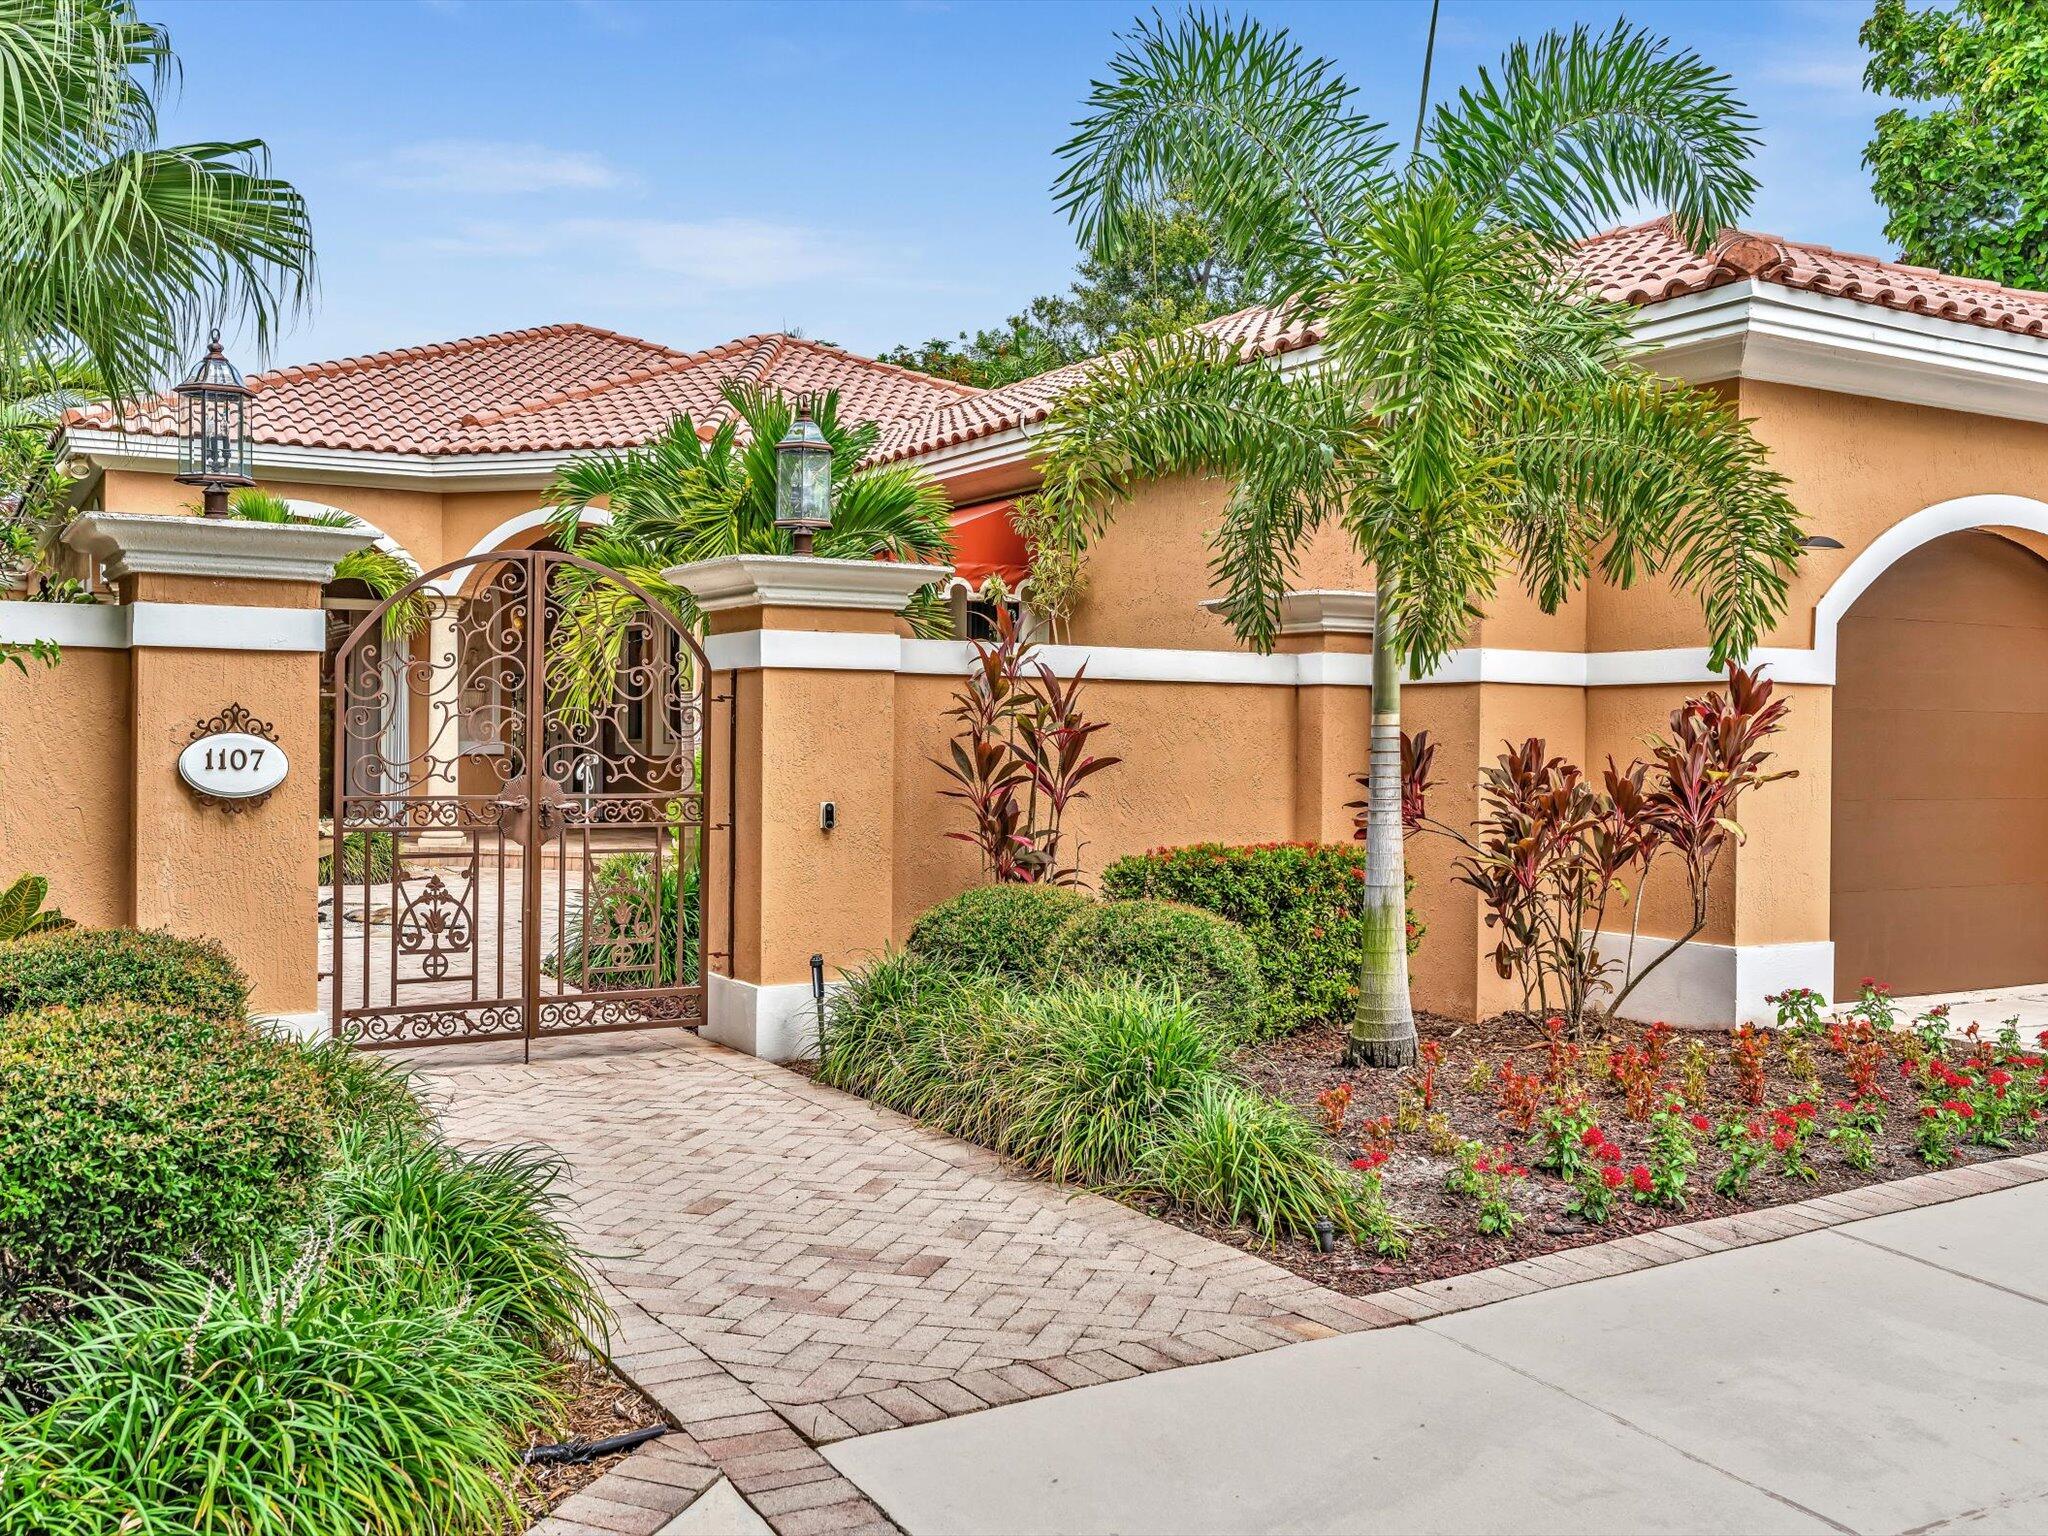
(1702, 1123)
(1611, 1177)
(1928, 1111)
(1371, 1160)
(1482, 1165)
(1607, 1152)
(1781, 1141)
(1640, 1177)
(1592, 1136)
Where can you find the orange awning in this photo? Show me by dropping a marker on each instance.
(985, 544)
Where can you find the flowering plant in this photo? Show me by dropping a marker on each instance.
(1432, 1053)
(1747, 1149)
(1598, 1181)
(1518, 1096)
(1335, 1104)
(1671, 1155)
(1941, 1124)
(1566, 1137)
(1789, 1128)
(1854, 1133)
(1746, 1051)
(1800, 1010)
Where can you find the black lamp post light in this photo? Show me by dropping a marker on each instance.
(213, 445)
(803, 480)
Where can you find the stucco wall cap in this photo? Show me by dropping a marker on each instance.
(139, 544)
(1320, 611)
(802, 581)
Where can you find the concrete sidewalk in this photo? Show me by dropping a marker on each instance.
(1886, 1375)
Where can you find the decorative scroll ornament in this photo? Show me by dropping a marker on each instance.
(233, 760)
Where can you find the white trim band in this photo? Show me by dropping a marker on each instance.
(808, 651)
(776, 1023)
(1715, 986)
(803, 581)
(179, 626)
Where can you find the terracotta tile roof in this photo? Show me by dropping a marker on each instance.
(1257, 332)
(556, 388)
(1648, 263)
(1640, 264)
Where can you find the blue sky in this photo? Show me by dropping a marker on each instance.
(868, 173)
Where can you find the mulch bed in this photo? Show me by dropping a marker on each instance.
(1445, 1243)
(599, 1405)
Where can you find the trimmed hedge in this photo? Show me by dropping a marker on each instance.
(1207, 958)
(1297, 902)
(84, 967)
(129, 1133)
(997, 930)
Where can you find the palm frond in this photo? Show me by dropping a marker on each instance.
(1237, 119)
(112, 247)
(1577, 128)
(1659, 478)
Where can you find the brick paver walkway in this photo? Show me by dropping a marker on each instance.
(792, 1265)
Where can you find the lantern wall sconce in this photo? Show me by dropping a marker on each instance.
(803, 480)
(213, 441)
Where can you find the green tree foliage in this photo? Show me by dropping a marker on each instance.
(685, 497)
(1475, 419)
(113, 248)
(1174, 272)
(1965, 181)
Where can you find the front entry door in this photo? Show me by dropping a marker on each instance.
(518, 829)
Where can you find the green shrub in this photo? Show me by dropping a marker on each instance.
(81, 967)
(997, 930)
(1242, 1159)
(1205, 958)
(1297, 902)
(1104, 1068)
(283, 1402)
(129, 1133)
(365, 857)
(489, 1222)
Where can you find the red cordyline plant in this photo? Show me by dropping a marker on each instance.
(1020, 758)
(1552, 853)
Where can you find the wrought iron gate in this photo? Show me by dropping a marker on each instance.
(518, 824)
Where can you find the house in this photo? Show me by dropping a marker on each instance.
(1908, 409)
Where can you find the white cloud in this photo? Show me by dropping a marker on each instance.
(727, 253)
(493, 167)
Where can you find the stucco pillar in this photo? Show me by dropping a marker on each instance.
(797, 724)
(1332, 632)
(222, 617)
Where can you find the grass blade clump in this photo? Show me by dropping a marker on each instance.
(489, 1224)
(285, 1402)
(1242, 1159)
(1106, 1068)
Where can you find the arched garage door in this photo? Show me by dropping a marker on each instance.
(1940, 861)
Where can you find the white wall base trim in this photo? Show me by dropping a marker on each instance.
(311, 1026)
(776, 1023)
(1714, 986)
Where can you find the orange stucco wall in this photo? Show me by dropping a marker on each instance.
(65, 765)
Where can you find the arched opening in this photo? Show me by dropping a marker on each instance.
(1939, 868)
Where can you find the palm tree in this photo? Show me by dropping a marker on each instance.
(1474, 417)
(689, 496)
(385, 572)
(112, 248)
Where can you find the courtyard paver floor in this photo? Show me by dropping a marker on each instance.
(793, 1266)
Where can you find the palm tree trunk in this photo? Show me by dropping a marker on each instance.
(1383, 1027)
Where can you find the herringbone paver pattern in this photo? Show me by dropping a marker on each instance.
(793, 1265)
